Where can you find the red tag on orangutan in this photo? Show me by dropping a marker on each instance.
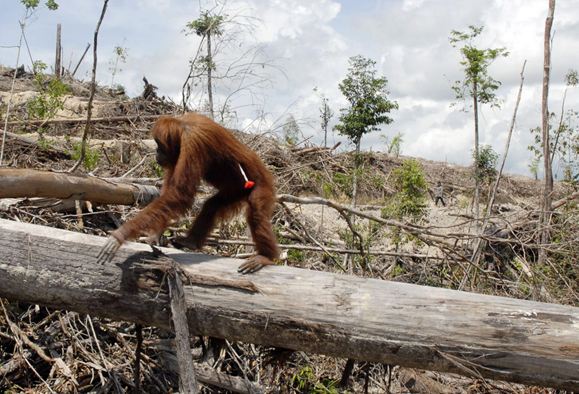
(248, 184)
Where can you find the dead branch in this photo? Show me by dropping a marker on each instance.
(86, 132)
(326, 249)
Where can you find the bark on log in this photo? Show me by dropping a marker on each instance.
(16, 183)
(338, 315)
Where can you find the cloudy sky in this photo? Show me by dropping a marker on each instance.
(300, 45)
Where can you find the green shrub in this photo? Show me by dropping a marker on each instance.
(50, 98)
(306, 382)
(157, 169)
(487, 162)
(409, 201)
(344, 183)
(44, 144)
(91, 156)
(295, 255)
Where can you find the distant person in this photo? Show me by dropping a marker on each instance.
(439, 194)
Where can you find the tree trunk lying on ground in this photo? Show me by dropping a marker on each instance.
(16, 182)
(338, 315)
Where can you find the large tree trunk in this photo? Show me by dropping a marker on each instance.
(338, 315)
(15, 183)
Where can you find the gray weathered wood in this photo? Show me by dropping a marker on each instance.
(18, 182)
(58, 55)
(187, 379)
(338, 315)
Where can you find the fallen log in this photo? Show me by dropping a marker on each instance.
(338, 315)
(559, 203)
(16, 182)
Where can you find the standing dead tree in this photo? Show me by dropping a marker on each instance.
(548, 189)
(86, 132)
(480, 242)
(58, 54)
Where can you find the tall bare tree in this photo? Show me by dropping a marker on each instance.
(228, 63)
(548, 189)
(87, 127)
(326, 114)
(208, 25)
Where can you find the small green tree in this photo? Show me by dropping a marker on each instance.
(207, 26)
(394, 146)
(369, 106)
(291, 131)
(326, 114)
(409, 201)
(477, 84)
(91, 156)
(563, 134)
(305, 381)
(486, 163)
(534, 168)
(119, 56)
(50, 98)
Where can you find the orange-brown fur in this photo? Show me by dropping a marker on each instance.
(198, 148)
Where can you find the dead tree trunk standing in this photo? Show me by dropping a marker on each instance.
(80, 60)
(476, 155)
(209, 70)
(355, 175)
(548, 189)
(480, 243)
(58, 54)
(319, 312)
(85, 133)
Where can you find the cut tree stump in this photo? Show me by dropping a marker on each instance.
(319, 312)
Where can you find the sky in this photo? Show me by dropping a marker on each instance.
(299, 50)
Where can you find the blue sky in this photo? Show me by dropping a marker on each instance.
(308, 42)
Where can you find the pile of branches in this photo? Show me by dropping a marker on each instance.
(64, 352)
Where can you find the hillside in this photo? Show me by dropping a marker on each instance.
(120, 143)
